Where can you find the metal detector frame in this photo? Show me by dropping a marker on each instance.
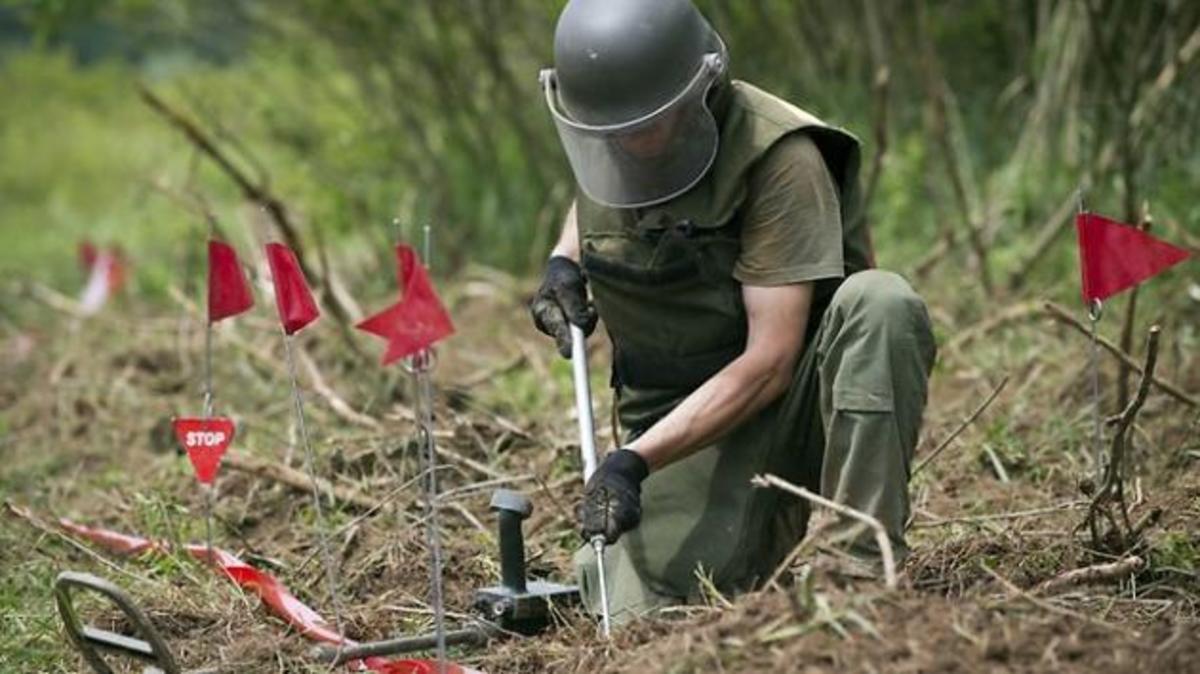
(87, 639)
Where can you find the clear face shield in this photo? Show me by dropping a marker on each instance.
(648, 160)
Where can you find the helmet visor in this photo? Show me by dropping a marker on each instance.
(647, 160)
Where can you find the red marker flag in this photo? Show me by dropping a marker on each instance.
(1114, 256)
(228, 292)
(205, 441)
(415, 322)
(292, 296)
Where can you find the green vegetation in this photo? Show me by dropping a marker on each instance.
(360, 114)
(370, 119)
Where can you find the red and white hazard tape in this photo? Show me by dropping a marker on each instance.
(274, 594)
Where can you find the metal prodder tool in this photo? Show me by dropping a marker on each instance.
(587, 447)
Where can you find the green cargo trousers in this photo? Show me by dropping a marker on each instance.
(847, 427)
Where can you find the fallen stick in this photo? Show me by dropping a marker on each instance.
(484, 469)
(1020, 514)
(963, 426)
(1053, 227)
(1011, 314)
(267, 360)
(488, 374)
(1093, 574)
(1063, 316)
(337, 403)
(296, 479)
(470, 489)
(881, 537)
(1049, 607)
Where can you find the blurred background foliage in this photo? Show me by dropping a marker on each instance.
(360, 114)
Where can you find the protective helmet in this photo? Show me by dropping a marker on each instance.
(628, 94)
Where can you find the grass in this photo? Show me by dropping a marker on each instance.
(29, 625)
(78, 412)
(94, 462)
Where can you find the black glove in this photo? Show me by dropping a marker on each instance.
(562, 297)
(612, 498)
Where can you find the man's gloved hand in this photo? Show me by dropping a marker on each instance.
(612, 498)
(562, 297)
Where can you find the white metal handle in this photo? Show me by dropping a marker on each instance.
(583, 401)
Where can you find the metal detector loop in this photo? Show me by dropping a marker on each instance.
(150, 647)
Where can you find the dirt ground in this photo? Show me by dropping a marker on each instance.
(997, 513)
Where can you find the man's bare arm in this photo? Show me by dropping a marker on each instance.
(777, 317)
(568, 240)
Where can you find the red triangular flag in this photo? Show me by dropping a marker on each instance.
(205, 441)
(292, 296)
(418, 320)
(228, 292)
(1114, 256)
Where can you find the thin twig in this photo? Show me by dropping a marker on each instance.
(993, 517)
(1012, 314)
(337, 403)
(484, 469)
(1112, 491)
(261, 195)
(963, 426)
(1063, 316)
(881, 537)
(938, 92)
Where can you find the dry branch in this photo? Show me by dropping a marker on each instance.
(1121, 535)
(338, 404)
(296, 479)
(881, 537)
(937, 90)
(455, 457)
(1052, 228)
(996, 517)
(253, 192)
(1011, 314)
(1063, 316)
(261, 195)
(1093, 574)
(1045, 605)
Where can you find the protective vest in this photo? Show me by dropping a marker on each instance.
(662, 277)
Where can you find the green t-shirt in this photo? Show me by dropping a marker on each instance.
(792, 223)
